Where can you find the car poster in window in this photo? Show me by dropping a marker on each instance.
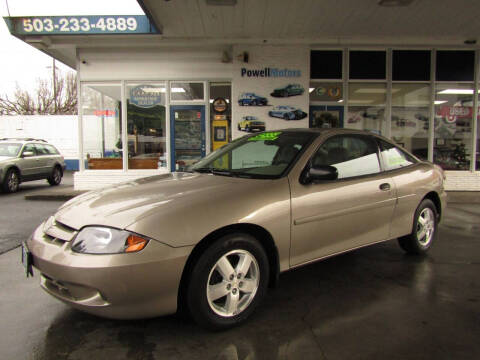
(270, 88)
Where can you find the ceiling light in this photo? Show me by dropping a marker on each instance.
(438, 102)
(394, 3)
(457, 91)
(359, 101)
(371, 91)
(340, 101)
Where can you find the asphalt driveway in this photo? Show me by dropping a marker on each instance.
(18, 218)
(373, 303)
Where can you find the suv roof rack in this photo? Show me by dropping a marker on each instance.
(24, 139)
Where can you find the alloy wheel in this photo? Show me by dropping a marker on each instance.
(13, 182)
(232, 283)
(425, 226)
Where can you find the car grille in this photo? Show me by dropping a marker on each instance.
(57, 233)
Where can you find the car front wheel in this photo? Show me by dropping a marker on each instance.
(424, 229)
(11, 181)
(56, 177)
(228, 282)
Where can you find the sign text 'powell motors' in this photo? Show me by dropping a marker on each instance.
(270, 72)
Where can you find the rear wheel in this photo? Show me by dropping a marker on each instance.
(424, 229)
(228, 282)
(11, 181)
(56, 177)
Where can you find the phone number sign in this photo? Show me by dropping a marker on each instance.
(61, 25)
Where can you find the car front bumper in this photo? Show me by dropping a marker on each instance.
(121, 286)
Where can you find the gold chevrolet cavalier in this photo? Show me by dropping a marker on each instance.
(213, 239)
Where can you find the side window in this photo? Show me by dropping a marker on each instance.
(394, 158)
(51, 150)
(41, 149)
(29, 148)
(351, 155)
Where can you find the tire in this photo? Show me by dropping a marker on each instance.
(424, 229)
(239, 128)
(247, 129)
(286, 117)
(216, 301)
(56, 177)
(11, 182)
(284, 94)
(254, 103)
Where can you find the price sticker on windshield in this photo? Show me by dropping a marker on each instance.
(265, 136)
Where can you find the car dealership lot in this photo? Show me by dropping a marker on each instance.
(372, 303)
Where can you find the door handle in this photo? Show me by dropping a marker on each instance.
(384, 186)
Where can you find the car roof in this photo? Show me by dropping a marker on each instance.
(335, 131)
(24, 140)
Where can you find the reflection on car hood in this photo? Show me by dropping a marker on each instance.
(127, 203)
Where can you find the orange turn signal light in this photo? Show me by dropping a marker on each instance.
(135, 243)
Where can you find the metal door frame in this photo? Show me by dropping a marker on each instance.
(340, 109)
(173, 108)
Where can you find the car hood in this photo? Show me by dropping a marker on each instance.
(127, 203)
(2, 158)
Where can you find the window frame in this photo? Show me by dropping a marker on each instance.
(378, 140)
(25, 147)
(361, 136)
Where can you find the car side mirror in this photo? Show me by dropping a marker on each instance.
(312, 174)
(27, 154)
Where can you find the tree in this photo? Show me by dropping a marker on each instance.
(59, 98)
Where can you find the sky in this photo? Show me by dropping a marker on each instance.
(21, 63)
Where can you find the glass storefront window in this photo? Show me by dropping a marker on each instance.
(453, 126)
(366, 107)
(146, 129)
(410, 117)
(477, 163)
(187, 91)
(326, 92)
(102, 126)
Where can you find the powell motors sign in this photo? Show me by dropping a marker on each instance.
(269, 72)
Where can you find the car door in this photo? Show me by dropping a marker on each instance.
(28, 164)
(45, 160)
(355, 210)
(409, 185)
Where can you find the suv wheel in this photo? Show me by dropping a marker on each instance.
(228, 282)
(56, 177)
(11, 181)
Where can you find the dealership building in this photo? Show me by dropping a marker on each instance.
(158, 92)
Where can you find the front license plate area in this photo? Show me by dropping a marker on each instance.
(27, 260)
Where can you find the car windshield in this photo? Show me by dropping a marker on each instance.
(265, 155)
(9, 149)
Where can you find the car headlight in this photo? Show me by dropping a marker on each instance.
(104, 240)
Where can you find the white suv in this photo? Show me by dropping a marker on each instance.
(26, 159)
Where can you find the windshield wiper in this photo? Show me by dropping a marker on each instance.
(214, 171)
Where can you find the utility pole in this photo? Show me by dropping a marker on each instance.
(54, 87)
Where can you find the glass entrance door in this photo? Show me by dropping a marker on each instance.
(187, 128)
(325, 116)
